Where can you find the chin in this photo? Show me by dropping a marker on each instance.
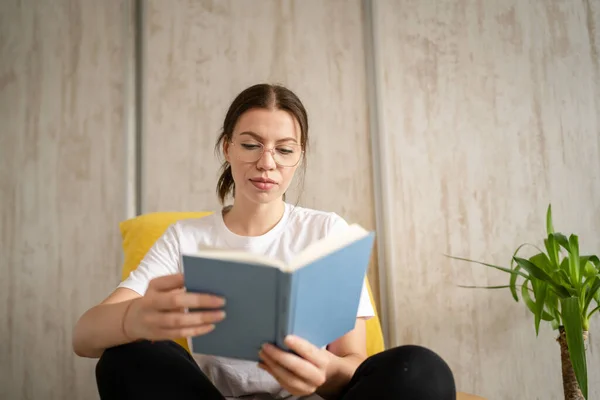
(266, 199)
(263, 197)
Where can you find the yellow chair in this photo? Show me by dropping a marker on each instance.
(140, 233)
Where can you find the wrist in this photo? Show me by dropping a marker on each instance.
(336, 375)
(338, 369)
(126, 322)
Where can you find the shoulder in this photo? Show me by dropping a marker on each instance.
(192, 225)
(191, 231)
(323, 221)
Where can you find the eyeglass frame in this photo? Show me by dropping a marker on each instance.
(270, 150)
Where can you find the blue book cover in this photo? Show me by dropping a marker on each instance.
(316, 296)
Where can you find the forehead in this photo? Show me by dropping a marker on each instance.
(269, 125)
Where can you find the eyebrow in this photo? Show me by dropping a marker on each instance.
(260, 139)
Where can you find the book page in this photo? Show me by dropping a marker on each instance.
(327, 245)
(239, 256)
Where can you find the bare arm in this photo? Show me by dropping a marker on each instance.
(101, 326)
(349, 352)
(160, 314)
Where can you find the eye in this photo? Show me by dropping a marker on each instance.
(286, 150)
(251, 146)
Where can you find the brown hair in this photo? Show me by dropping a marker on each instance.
(267, 96)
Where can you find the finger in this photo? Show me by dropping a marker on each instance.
(306, 350)
(177, 300)
(304, 369)
(290, 381)
(179, 290)
(174, 320)
(185, 332)
(181, 309)
(166, 283)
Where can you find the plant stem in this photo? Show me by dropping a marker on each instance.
(570, 385)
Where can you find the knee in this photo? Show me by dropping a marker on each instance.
(115, 360)
(416, 370)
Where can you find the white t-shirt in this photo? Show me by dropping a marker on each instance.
(298, 228)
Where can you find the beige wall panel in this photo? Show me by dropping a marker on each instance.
(490, 110)
(201, 54)
(61, 186)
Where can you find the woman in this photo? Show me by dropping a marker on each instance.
(264, 142)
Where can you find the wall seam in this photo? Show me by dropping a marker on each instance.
(129, 108)
(139, 103)
(380, 166)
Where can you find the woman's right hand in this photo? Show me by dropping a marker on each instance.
(160, 314)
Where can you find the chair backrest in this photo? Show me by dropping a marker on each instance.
(139, 234)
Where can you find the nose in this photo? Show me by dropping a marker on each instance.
(266, 161)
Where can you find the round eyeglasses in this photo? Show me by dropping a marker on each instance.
(284, 155)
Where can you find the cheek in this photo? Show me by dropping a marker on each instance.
(238, 170)
(288, 174)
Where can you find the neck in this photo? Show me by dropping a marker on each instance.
(251, 219)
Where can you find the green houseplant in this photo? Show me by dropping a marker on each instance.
(558, 285)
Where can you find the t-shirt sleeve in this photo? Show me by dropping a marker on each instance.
(365, 307)
(162, 259)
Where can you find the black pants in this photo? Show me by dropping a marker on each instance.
(165, 370)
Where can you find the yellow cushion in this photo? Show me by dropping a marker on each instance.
(375, 343)
(140, 233)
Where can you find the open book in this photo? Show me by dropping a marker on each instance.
(315, 296)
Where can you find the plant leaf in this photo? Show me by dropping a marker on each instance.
(590, 266)
(564, 266)
(531, 304)
(484, 287)
(565, 281)
(541, 261)
(562, 241)
(593, 311)
(573, 328)
(513, 277)
(593, 259)
(552, 306)
(588, 269)
(510, 271)
(549, 225)
(541, 275)
(589, 295)
(574, 261)
(513, 283)
(540, 298)
(552, 249)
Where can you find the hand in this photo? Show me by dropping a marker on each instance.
(160, 314)
(300, 374)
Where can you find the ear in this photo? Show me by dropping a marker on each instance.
(226, 150)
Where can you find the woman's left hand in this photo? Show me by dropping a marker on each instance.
(300, 374)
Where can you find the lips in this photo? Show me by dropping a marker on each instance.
(263, 183)
(263, 180)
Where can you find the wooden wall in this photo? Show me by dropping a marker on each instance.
(200, 55)
(490, 112)
(61, 186)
